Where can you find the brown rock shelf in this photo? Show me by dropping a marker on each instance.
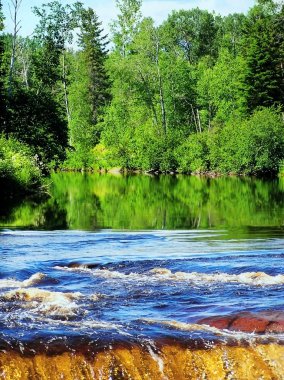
(171, 362)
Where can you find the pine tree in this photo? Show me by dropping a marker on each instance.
(94, 51)
(263, 55)
(278, 38)
(88, 91)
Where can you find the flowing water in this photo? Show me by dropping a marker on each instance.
(110, 261)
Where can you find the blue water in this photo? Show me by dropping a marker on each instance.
(123, 285)
(108, 259)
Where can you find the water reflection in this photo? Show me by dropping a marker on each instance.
(90, 202)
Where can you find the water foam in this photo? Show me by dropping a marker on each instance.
(85, 324)
(31, 281)
(239, 335)
(249, 278)
(157, 358)
(103, 273)
(164, 274)
(44, 301)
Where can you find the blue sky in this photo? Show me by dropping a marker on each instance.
(106, 10)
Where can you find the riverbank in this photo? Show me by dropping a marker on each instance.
(154, 172)
(251, 146)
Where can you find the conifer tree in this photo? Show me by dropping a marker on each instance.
(278, 38)
(88, 91)
(93, 46)
(263, 54)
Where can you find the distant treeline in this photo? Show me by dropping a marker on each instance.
(199, 93)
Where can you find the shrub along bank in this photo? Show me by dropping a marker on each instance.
(19, 170)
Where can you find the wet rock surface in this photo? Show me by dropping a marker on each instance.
(260, 323)
(171, 362)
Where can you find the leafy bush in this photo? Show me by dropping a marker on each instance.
(192, 155)
(97, 158)
(76, 160)
(251, 146)
(19, 170)
(264, 133)
(242, 146)
(281, 168)
(38, 122)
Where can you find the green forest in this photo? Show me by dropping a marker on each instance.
(199, 94)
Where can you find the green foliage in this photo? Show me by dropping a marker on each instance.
(77, 160)
(57, 22)
(19, 169)
(184, 95)
(220, 89)
(2, 91)
(250, 146)
(145, 120)
(93, 45)
(281, 168)
(194, 32)
(193, 155)
(38, 122)
(82, 132)
(263, 50)
(126, 26)
(253, 146)
(265, 141)
(230, 33)
(88, 89)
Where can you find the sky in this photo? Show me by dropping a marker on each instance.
(106, 10)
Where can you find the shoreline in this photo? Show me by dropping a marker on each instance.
(206, 174)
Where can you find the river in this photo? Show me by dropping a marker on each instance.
(140, 261)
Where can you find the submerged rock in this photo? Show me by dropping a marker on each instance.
(261, 323)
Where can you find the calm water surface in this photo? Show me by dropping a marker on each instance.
(112, 258)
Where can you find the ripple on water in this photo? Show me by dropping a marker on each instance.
(164, 274)
(85, 283)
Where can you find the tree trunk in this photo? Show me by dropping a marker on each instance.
(16, 27)
(149, 97)
(65, 89)
(199, 122)
(194, 118)
(161, 92)
(24, 58)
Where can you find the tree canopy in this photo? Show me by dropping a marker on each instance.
(199, 93)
